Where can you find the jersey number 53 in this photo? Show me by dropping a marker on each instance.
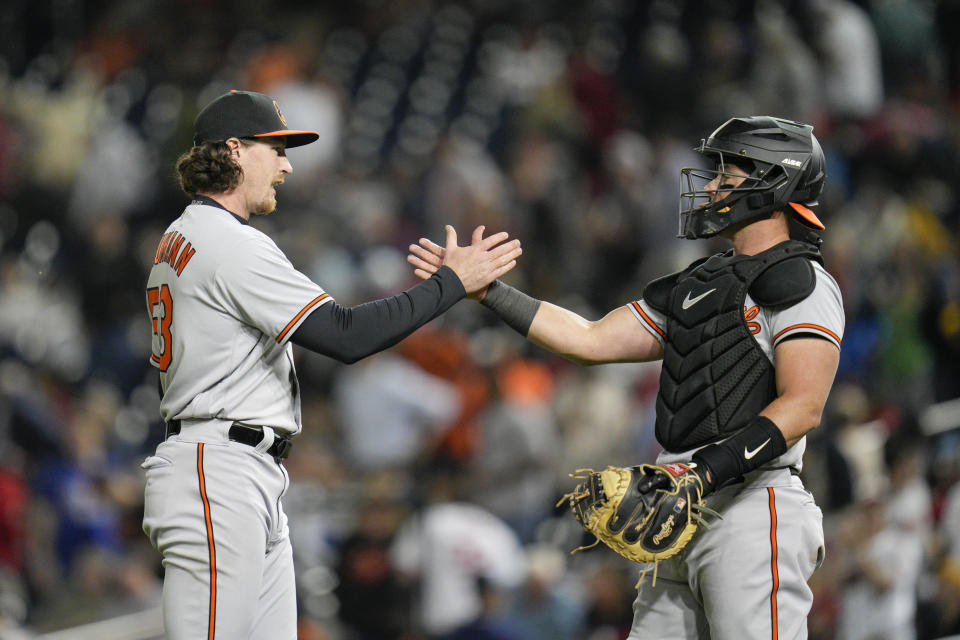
(160, 308)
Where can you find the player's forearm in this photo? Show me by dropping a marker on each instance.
(565, 333)
(616, 337)
(349, 334)
(796, 417)
(546, 325)
(777, 428)
(805, 371)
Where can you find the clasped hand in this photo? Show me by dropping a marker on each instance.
(477, 265)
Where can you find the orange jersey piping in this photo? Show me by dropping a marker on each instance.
(297, 317)
(808, 326)
(648, 321)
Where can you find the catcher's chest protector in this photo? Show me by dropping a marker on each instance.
(715, 376)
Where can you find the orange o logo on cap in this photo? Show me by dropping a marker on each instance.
(280, 115)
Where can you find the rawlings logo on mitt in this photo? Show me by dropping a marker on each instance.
(645, 513)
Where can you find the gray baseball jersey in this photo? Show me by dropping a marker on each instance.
(223, 292)
(746, 576)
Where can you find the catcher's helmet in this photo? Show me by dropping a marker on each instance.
(786, 170)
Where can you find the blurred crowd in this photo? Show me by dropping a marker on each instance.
(423, 486)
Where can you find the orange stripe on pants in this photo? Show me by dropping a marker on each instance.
(773, 562)
(210, 545)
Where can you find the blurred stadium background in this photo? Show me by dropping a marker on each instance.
(563, 123)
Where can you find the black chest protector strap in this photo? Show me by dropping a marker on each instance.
(715, 377)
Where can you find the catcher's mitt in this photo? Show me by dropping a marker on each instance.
(645, 513)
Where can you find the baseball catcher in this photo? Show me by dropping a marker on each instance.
(749, 340)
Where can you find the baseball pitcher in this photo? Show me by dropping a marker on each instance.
(225, 306)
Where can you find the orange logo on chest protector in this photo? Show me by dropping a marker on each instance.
(750, 314)
(279, 115)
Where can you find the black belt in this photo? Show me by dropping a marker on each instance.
(249, 434)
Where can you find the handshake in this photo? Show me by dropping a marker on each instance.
(477, 265)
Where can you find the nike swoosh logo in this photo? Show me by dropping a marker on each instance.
(689, 302)
(750, 454)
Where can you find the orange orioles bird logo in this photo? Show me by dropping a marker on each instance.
(279, 115)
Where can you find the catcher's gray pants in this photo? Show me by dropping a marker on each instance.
(212, 508)
(745, 577)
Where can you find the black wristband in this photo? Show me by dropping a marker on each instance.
(752, 447)
(514, 307)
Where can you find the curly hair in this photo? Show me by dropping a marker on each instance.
(208, 168)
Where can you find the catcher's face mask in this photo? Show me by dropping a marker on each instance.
(708, 197)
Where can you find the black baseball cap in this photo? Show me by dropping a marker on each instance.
(245, 114)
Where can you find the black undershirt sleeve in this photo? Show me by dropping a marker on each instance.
(348, 334)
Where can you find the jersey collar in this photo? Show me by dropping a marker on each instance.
(210, 202)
